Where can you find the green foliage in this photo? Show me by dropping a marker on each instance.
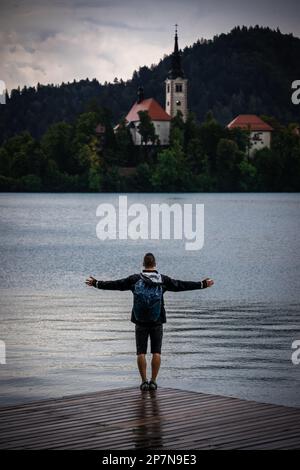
(202, 156)
(113, 181)
(20, 156)
(94, 162)
(171, 172)
(31, 183)
(5, 162)
(248, 174)
(56, 145)
(176, 136)
(125, 150)
(228, 162)
(210, 133)
(141, 181)
(85, 127)
(146, 128)
(278, 168)
(9, 184)
(177, 128)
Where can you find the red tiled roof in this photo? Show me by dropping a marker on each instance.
(155, 111)
(245, 121)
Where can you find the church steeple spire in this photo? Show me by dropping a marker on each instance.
(176, 69)
(176, 85)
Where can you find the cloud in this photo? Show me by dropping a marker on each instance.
(122, 25)
(55, 45)
(51, 42)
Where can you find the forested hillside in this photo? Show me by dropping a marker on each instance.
(249, 70)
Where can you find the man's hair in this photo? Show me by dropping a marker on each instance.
(149, 261)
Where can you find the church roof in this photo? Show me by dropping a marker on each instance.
(249, 121)
(155, 111)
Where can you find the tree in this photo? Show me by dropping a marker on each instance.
(227, 165)
(146, 128)
(5, 162)
(95, 174)
(177, 129)
(191, 129)
(171, 172)
(85, 127)
(278, 168)
(112, 181)
(32, 183)
(248, 174)
(57, 145)
(142, 180)
(210, 133)
(125, 150)
(25, 156)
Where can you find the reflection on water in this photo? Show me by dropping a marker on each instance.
(148, 433)
(233, 339)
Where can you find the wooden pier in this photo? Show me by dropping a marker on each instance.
(166, 419)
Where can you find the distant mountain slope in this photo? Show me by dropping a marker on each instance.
(249, 70)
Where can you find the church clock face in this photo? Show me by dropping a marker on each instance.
(178, 102)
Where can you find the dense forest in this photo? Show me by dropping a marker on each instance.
(200, 157)
(48, 139)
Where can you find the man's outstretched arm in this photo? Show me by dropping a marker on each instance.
(118, 284)
(175, 285)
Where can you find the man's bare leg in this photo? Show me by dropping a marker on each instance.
(155, 365)
(142, 365)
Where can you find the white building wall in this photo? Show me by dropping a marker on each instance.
(162, 129)
(259, 140)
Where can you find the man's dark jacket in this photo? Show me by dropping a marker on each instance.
(168, 284)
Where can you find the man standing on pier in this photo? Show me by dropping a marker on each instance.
(148, 312)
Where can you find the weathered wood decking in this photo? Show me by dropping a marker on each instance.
(166, 419)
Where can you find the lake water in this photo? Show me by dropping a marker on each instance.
(232, 339)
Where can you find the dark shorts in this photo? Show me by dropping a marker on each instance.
(141, 337)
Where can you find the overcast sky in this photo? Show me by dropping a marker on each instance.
(51, 41)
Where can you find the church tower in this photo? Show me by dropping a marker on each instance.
(176, 85)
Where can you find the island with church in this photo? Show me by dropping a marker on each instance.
(186, 124)
(176, 103)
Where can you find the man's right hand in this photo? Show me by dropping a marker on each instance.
(91, 281)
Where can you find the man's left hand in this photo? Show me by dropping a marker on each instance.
(209, 282)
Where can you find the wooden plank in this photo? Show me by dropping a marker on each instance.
(188, 431)
(102, 403)
(169, 418)
(49, 438)
(124, 423)
(181, 414)
(115, 412)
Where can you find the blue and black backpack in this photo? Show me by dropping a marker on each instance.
(147, 301)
